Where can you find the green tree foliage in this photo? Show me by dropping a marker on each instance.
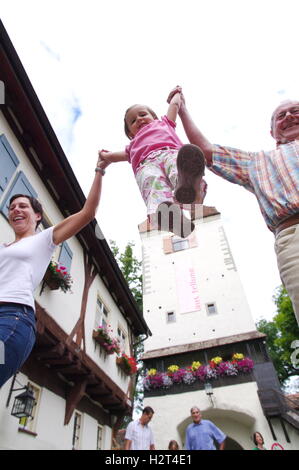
(131, 269)
(281, 332)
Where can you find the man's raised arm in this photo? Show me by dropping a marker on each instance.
(193, 133)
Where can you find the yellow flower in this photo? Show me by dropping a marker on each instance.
(173, 368)
(195, 365)
(217, 359)
(152, 372)
(238, 357)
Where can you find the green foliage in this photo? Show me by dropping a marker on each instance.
(130, 268)
(281, 332)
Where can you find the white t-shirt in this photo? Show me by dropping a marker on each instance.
(23, 265)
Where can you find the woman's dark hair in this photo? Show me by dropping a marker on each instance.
(173, 445)
(127, 132)
(254, 437)
(35, 204)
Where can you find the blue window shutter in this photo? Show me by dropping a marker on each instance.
(65, 257)
(8, 162)
(20, 185)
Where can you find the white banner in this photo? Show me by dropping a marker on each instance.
(186, 283)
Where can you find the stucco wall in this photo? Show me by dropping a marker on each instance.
(217, 281)
(236, 411)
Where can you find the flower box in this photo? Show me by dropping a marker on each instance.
(52, 283)
(102, 342)
(221, 372)
(57, 277)
(127, 364)
(102, 337)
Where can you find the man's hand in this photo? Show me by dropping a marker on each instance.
(173, 92)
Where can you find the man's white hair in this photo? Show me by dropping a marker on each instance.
(194, 408)
(281, 104)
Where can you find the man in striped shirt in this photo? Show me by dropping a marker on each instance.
(273, 177)
(139, 435)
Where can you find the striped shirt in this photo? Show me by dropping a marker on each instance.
(141, 437)
(272, 176)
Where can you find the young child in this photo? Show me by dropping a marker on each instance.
(162, 164)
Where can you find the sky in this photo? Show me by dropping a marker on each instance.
(236, 61)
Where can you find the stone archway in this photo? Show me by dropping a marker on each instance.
(237, 425)
(231, 444)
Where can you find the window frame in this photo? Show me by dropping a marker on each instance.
(100, 313)
(100, 428)
(209, 304)
(177, 241)
(122, 340)
(168, 316)
(65, 252)
(6, 151)
(76, 439)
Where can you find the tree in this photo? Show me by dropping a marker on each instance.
(131, 269)
(281, 332)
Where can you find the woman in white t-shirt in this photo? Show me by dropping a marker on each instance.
(23, 264)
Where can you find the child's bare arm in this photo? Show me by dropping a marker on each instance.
(174, 106)
(112, 157)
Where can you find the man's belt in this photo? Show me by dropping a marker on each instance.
(292, 220)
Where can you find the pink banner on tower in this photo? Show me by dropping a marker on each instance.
(187, 288)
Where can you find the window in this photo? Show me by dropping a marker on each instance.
(8, 162)
(65, 256)
(100, 435)
(172, 243)
(20, 185)
(101, 318)
(121, 336)
(211, 308)
(179, 244)
(77, 431)
(29, 424)
(170, 317)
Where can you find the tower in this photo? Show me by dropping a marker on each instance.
(196, 308)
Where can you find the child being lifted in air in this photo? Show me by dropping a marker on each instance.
(162, 165)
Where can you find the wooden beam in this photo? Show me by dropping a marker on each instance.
(71, 369)
(109, 400)
(73, 398)
(64, 360)
(79, 328)
(51, 352)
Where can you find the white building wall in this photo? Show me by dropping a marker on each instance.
(236, 411)
(51, 433)
(216, 280)
(64, 308)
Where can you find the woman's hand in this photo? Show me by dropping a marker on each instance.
(104, 158)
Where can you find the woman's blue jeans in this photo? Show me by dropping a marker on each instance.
(17, 337)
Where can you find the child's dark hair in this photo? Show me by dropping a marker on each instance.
(127, 132)
(173, 445)
(35, 204)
